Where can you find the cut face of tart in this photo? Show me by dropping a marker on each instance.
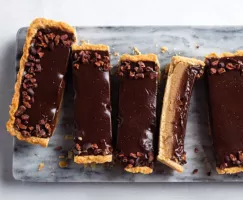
(225, 91)
(139, 76)
(40, 81)
(181, 76)
(92, 105)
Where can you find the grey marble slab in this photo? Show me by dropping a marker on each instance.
(180, 41)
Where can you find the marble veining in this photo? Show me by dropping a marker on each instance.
(180, 41)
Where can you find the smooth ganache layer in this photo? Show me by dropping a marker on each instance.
(225, 88)
(182, 102)
(43, 83)
(92, 105)
(137, 113)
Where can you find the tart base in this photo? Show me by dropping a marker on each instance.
(142, 170)
(230, 170)
(92, 159)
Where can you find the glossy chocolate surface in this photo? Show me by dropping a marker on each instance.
(226, 111)
(137, 112)
(182, 108)
(92, 105)
(47, 65)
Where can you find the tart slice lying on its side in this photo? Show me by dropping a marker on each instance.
(225, 92)
(139, 75)
(181, 76)
(40, 81)
(92, 104)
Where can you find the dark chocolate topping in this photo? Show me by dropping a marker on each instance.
(43, 83)
(92, 105)
(137, 113)
(226, 112)
(183, 102)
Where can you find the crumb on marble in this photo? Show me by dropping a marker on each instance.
(83, 42)
(70, 155)
(41, 166)
(61, 156)
(85, 165)
(93, 165)
(68, 137)
(116, 54)
(63, 164)
(164, 49)
(197, 46)
(136, 51)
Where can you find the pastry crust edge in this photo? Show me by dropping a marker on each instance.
(170, 163)
(92, 159)
(224, 54)
(230, 170)
(35, 25)
(175, 60)
(135, 170)
(143, 57)
(92, 47)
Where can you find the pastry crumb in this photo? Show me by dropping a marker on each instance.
(83, 42)
(63, 164)
(85, 165)
(68, 137)
(136, 51)
(70, 155)
(164, 49)
(116, 54)
(61, 156)
(196, 150)
(197, 46)
(41, 166)
(93, 165)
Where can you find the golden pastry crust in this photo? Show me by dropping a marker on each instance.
(92, 159)
(143, 57)
(143, 170)
(39, 23)
(230, 170)
(92, 47)
(170, 163)
(225, 54)
(177, 69)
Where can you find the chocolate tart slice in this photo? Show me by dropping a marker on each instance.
(92, 104)
(181, 76)
(225, 92)
(139, 76)
(40, 81)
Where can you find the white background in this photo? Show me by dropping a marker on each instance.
(18, 13)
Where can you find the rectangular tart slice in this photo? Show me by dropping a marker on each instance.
(137, 112)
(40, 81)
(92, 104)
(225, 89)
(181, 76)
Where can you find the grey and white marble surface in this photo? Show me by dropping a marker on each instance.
(180, 41)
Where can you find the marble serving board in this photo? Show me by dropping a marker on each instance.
(184, 41)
